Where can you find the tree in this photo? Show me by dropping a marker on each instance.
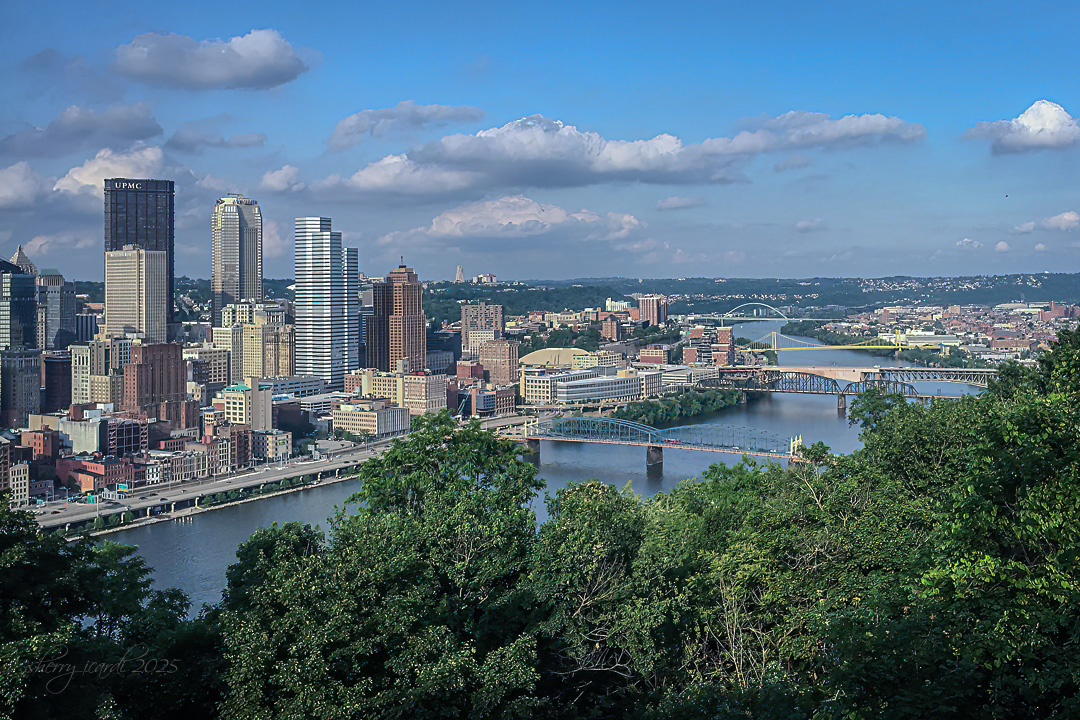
(424, 614)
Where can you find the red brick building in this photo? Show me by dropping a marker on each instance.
(96, 472)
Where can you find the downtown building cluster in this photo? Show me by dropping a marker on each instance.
(105, 397)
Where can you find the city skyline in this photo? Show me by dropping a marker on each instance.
(729, 146)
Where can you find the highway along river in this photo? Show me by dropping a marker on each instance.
(192, 555)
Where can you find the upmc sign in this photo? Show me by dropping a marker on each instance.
(128, 186)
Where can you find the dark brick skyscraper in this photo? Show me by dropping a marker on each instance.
(155, 384)
(141, 213)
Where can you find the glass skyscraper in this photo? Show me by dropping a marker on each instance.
(18, 307)
(141, 213)
(322, 323)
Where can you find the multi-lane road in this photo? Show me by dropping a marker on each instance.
(58, 513)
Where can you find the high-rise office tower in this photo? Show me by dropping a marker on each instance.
(377, 327)
(20, 385)
(135, 293)
(141, 213)
(55, 311)
(97, 370)
(480, 324)
(350, 265)
(258, 339)
(55, 381)
(18, 307)
(459, 277)
(321, 308)
(653, 309)
(235, 253)
(500, 361)
(408, 326)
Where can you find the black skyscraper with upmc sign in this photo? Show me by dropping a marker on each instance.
(141, 213)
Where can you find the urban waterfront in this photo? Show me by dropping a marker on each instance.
(193, 555)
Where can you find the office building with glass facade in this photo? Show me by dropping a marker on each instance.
(141, 213)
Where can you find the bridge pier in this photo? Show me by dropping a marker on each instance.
(654, 459)
(841, 403)
(532, 451)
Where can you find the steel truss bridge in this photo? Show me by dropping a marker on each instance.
(845, 382)
(778, 342)
(711, 438)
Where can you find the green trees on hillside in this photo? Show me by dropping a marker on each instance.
(675, 407)
(932, 573)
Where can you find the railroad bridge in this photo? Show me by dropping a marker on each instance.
(844, 382)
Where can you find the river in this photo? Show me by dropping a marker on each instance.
(193, 555)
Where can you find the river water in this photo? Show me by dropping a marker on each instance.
(193, 555)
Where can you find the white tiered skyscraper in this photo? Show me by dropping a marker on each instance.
(235, 253)
(322, 320)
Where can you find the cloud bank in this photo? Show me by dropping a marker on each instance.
(403, 117)
(77, 128)
(260, 60)
(540, 152)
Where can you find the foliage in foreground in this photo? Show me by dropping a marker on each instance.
(933, 573)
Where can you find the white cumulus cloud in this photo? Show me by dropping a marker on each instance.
(1039, 247)
(259, 60)
(89, 177)
(397, 174)
(1043, 125)
(20, 186)
(274, 245)
(285, 179)
(1002, 247)
(968, 244)
(403, 117)
(1064, 221)
(517, 216)
(1024, 228)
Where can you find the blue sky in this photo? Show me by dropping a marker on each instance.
(551, 140)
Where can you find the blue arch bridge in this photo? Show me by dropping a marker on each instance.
(709, 438)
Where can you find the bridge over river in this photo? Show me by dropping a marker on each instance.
(844, 382)
(709, 438)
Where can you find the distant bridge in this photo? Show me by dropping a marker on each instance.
(734, 314)
(609, 431)
(844, 382)
(778, 342)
